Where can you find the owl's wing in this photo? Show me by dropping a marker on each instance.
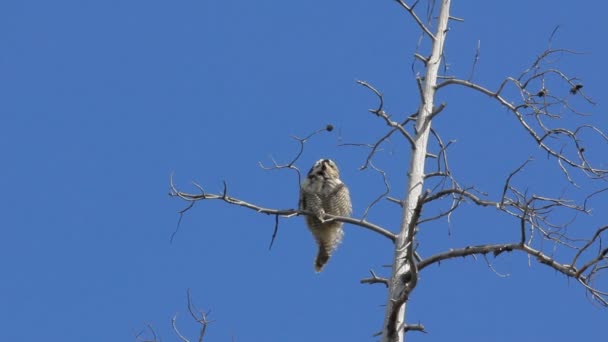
(339, 201)
(311, 202)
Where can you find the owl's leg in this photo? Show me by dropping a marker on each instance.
(319, 214)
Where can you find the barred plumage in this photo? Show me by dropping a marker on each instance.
(322, 192)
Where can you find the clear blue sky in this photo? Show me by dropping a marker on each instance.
(101, 100)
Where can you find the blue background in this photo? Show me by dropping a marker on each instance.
(100, 101)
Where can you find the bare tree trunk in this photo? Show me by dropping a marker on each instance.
(404, 276)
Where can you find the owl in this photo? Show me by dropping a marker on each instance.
(322, 192)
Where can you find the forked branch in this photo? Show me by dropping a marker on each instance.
(379, 112)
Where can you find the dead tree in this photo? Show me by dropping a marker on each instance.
(542, 99)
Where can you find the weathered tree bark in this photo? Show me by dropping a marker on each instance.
(404, 276)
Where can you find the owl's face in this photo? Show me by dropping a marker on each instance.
(324, 168)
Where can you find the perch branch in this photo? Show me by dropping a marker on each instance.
(279, 212)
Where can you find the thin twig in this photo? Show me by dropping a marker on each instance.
(274, 233)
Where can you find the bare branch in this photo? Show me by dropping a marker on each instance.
(462, 192)
(415, 327)
(374, 279)
(435, 112)
(593, 262)
(508, 180)
(280, 212)
(410, 9)
(485, 257)
(138, 337)
(375, 91)
(541, 109)
(301, 141)
(195, 313)
(457, 19)
(523, 219)
(469, 250)
(497, 249)
(475, 60)
(179, 221)
(423, 59)
(379, 112)
(177, 332)
(395, 200)
(375, 148)
(387, 190)
(275, 231)
(597, 235)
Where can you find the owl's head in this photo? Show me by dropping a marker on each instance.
(325, 168)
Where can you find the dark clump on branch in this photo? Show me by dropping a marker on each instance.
(576, 88)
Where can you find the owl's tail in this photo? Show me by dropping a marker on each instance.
(322, 258)
(328, 237)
